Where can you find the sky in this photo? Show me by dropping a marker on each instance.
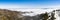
(29, 3)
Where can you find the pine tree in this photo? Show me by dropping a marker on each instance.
(52, 16)
(45, 16)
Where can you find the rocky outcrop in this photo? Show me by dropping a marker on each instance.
(8, 14)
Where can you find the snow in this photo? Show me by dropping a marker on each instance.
(37, 11)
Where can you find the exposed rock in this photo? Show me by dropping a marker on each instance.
(8, 14)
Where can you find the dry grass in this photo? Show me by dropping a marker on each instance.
(8, 14)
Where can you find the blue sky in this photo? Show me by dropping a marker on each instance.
(29, 3)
